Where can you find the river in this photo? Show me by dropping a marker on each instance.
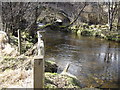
(94, 61)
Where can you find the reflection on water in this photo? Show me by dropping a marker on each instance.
(94, 61)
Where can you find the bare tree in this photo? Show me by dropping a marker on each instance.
(112, 6)
(76, 18)
(16, 15)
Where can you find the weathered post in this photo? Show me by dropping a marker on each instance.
(39, 64)
(40, 44)
(38, 72)
(19, 41)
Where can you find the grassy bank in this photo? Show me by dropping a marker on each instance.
(17, 71)
(100, 31)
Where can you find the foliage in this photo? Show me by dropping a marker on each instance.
(101, 31)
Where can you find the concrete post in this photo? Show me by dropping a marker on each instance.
(38, 72)
(39, 64)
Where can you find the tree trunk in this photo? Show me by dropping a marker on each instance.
(98, 18)
(111, 13)
(109, 16)
(11, 23)
(118, 24)
(1, 16)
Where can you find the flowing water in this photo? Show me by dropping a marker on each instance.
(94, 61)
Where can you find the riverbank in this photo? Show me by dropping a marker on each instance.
(16, 72)
(100, 31)
(21, 67)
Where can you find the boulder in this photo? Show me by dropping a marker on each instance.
(50, 66)
(54, 80)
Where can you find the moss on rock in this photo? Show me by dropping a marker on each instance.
(55, 80)
(87, 33)
(50, 66)
(113, 37)
(99, 34)
(101, 31)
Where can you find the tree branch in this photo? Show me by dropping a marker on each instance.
(76, 17)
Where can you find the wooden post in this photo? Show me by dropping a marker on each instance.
(39, 64)
(39, 72)
(40, 44)
(19, 41)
